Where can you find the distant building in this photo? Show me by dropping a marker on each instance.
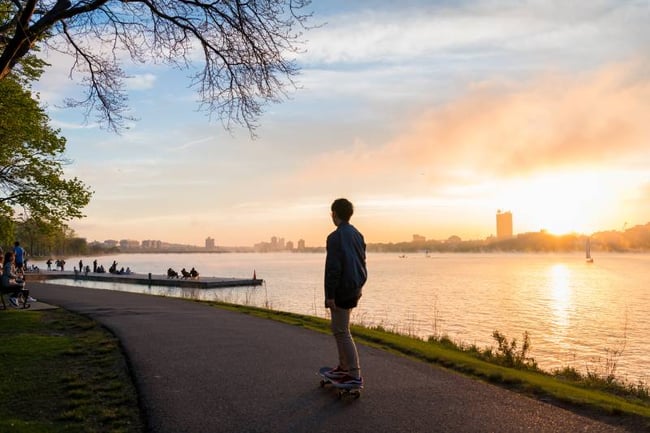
(288, 246)
(110, 243)
(129, 243)
(209, 243)
(504, 225)
(301, 244)
(150, 244)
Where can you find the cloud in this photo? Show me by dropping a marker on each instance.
(504, 131)
(394, 33)
(141, 81)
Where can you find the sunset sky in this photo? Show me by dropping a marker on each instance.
(429, 116)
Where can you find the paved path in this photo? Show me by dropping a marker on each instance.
(200, 369)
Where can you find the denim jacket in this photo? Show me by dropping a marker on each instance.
(345, 266)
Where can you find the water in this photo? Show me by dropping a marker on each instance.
(593, 317)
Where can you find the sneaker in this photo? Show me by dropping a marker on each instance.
(351, 381)
(14, 302)
(336, 373)
(30, 299)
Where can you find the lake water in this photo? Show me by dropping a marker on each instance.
(587, 316)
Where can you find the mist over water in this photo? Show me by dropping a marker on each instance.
(577, 314)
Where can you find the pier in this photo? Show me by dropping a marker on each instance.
(145, 279)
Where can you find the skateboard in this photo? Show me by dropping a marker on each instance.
(342, 389)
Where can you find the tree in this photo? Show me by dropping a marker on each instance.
(31, 162)
(244, 46)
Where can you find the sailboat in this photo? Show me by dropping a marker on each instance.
(588, 251)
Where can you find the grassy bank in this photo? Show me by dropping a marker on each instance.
(60, 372)
(573, 392)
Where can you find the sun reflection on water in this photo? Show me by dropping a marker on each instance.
(560, 295)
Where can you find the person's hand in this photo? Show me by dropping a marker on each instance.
(329, 303)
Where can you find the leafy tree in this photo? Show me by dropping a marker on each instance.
(31, 162)
(243, 44)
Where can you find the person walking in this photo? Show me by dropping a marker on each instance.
(20, 256)
(345, 276)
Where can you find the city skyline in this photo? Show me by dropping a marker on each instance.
(429, 128)
(277, 243)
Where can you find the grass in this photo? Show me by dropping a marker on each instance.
(62, 372)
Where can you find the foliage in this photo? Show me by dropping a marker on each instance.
(45, 240)
(243, 45)
(31, 162)
(509, 355)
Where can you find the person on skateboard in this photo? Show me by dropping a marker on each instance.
(345, 275)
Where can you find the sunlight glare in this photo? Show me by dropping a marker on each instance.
(560, 295)
(562, 203)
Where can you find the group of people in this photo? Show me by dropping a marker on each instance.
(97, 268)
(13, 277)
(193, 274)
(113, 269)
(59, 263)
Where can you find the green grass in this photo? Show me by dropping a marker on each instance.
(61, 372)
(574, 393)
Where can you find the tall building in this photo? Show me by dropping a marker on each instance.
(504, 225)
(209, 243)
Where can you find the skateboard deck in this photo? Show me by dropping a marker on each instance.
(343, 389)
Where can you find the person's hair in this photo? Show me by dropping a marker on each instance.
(343, 209)
(8, 256)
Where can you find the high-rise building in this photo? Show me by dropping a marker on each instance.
(504, 225)
(209, 243)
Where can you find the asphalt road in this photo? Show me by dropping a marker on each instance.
(200, 369)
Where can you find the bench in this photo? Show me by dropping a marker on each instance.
(5, 291)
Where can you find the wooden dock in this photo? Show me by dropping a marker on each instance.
(145, 279)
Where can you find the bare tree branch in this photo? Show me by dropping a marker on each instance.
(244, 48)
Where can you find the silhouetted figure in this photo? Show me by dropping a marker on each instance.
(172, 273)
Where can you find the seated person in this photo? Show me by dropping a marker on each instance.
(185, 273)
(172, 273)
(12, 283)
(194, 273)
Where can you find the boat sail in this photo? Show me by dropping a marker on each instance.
(588, 251)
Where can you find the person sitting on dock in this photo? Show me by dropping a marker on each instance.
(172, 273)
(185, 274)
(194, 274)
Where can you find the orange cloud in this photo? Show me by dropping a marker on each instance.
(554, 121)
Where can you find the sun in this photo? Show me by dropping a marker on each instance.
(561, 203)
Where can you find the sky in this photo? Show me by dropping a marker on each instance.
(429, 116)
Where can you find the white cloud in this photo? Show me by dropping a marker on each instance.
(141, 81)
